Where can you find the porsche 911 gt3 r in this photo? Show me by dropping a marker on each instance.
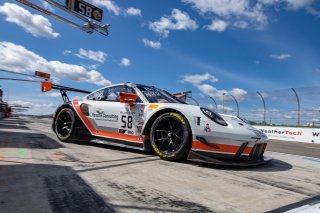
(147, 118)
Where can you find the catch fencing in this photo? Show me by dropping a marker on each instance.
(294, 106)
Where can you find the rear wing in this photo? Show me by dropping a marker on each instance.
(47, 86)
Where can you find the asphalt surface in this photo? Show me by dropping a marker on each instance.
(295, 148)
(40, 174)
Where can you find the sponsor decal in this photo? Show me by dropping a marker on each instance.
(207, 128)
(178, 116)
(156, 150)
(139, 128)
(140, 137)
(122, 131)
(125, 131)
(282, 132)
(153, 106)
(101, 115)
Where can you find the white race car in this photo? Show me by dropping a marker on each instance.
(147, 118)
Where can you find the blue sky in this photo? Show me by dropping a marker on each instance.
(207, 46)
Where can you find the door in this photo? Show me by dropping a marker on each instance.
(116, 120)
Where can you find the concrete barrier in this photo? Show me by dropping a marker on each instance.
(309, 135)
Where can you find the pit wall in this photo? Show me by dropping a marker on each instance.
(308, 135)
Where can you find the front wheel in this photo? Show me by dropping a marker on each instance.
(170, 136)
(64, 124)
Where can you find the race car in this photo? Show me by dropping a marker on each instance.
(147, 118)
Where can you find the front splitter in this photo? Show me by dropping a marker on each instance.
(197, 157)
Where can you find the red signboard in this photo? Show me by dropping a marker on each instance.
(42, 75)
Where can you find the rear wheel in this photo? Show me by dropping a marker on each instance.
(64, 124)
(170, 136)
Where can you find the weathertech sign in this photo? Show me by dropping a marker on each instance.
(310, 135)
(286, 132)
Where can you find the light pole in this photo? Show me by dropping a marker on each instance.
(298, 100)
(223, 102)
(264, 107)
(215, 103)
(236, 103)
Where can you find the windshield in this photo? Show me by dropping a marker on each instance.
(155, 95)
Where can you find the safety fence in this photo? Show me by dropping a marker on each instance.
(294, 106)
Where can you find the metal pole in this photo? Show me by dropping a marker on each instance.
(298, 100)
(264, 107)
(215, 103)
(194, 100)
(236, 103)
(223, 102)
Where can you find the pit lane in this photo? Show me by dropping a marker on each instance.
(40, 174)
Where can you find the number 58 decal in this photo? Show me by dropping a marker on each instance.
(126, 121)
(84, 8)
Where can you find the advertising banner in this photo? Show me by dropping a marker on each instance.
(309, 135)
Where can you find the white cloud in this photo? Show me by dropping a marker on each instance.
(110, 5)
(67, 52)
(98, 56)
(17, 58)
(224, 109)
(31, 105)
(299, 4)
(37, 25)
(125, 62)
(238, 93)
(178, 20)
(290, 4)
(152, 44)
(280, 56)
(218, 25)
(133, 11)
(241, 24)
(53, 94)
(242, 13)
(220, 7)
(198, 78)
(209, 90)
(263, 94)
(47, 6)
(313, 11)
(269, 2)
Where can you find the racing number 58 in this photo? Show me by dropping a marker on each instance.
(85, 10)
(126, 121)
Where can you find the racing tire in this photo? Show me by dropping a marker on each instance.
(64, 124)
(170, 136)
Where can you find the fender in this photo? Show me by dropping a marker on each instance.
(152, 116)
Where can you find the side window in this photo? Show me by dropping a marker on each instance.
(111, 94)
(97, 96)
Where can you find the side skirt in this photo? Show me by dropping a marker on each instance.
(118, 143)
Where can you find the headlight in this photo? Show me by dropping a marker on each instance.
(213, 116)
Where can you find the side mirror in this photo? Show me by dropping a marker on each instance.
(126, 97)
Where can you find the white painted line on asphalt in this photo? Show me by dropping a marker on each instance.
(312, 159)
(310, 147)
(310, 208)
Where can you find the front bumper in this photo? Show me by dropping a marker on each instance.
(255, 157)
(198, 157)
